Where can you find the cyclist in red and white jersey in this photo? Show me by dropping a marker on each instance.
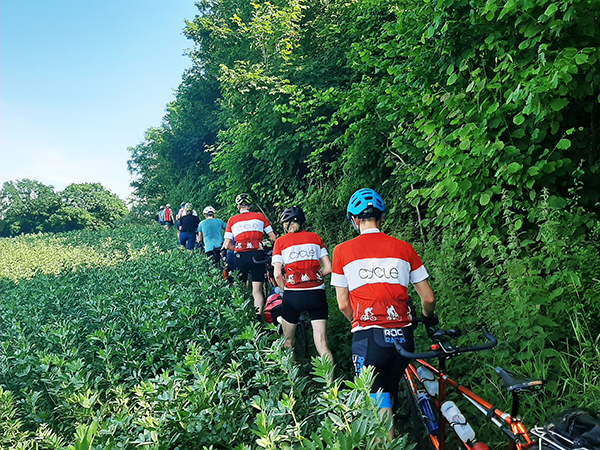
(168, 217)
(247, 229)
(371, 274)
(301, 254)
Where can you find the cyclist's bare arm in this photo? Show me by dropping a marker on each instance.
(279, 275)
(326, 265)
(343, 298)
(272, 236)
(228, 245)
(427, 297)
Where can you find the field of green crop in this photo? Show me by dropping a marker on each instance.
(119, 340)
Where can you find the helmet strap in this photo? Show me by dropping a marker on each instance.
(357, 221)
(354, 222)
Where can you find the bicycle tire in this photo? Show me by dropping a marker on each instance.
(266, 290)
(302, 344)
(416, 429)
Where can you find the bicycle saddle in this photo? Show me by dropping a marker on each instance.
(514, 383)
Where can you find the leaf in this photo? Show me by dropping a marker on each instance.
(563, 144)
(452, 79)
(514, 167)
(581, 58)
(519, 119)
(550, 10)
(493, 107)
(559, 103)
(556, 203)
(484, 199)
(429, 127)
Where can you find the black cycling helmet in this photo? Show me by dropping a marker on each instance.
(243, 198)
(293, 214)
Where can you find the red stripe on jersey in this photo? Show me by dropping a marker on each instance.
(376, 268)
(247, 229)
(300, 254)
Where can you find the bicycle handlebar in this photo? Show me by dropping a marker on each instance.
(447, 351)
(258, 261)
(267, 260)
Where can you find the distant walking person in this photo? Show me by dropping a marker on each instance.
(169, 219)
(210, 232)
(187, 225)
(160, 217)
(247, 228)
(180, 211)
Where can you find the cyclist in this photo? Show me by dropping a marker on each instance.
(180, 211)
(210, 232)
(160, 218)
(187, 226)
(305, 261)
(371, 274)
(247, 228)
(168, 217)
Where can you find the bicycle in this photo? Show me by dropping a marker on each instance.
(430, 411)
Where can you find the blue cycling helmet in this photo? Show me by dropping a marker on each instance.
(363, 200)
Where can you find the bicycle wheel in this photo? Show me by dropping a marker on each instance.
(302, 344)
(414, 424)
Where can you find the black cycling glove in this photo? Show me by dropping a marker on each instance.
(430, 323)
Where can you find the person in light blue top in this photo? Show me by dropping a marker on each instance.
(210, 232)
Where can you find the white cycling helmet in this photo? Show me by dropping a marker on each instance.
(208, 210)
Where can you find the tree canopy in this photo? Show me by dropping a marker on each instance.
(29, 206)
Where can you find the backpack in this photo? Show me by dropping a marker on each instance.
(168, 215)
(273, 308)
(575, 428)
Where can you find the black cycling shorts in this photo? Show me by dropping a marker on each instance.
(375, 347)
(245, 265)
(313, 301)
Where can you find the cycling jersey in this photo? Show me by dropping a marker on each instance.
(247, 229)
(300, 255)
(211, 230)
(188, 224)
(168, 216)
(376, 269)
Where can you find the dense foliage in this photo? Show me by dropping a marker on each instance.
(148, 346)
(28, 206)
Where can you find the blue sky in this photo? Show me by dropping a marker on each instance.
(82, 80)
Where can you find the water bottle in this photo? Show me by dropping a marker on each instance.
(429, 413)
(429, 381)
(458, 422)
